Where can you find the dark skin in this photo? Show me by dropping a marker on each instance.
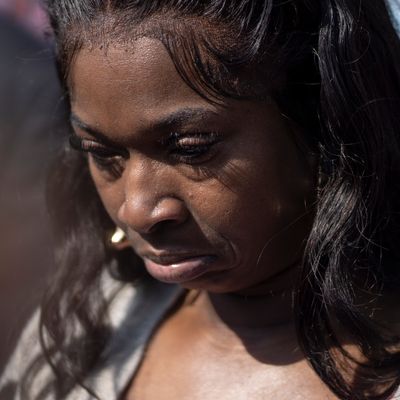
(229, 191)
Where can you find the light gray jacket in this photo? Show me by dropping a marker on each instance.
(134, 313)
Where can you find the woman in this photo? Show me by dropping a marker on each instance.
(248, 151)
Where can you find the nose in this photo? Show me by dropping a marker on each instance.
(149, 203)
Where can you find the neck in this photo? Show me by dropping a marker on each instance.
(256, 313)
(264, 305)
(260, 326)
(246, 313)
(257, 321)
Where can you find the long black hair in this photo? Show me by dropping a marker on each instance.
(332, 66)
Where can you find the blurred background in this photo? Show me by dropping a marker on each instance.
(32, 127)
(27, 13)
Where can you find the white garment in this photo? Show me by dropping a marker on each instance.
(134, 313)
(394, 10)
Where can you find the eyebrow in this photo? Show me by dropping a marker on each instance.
(173, 120)
(101, 137)
(184, 115)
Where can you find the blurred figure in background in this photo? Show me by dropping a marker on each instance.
(31, 125)
(28, 13)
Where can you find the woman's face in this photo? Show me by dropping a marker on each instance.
(211, 197)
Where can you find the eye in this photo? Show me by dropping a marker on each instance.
(193, 148)
(107, 159)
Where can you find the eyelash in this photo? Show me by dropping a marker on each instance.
(106, 158)
(191, 148)
(188, 149)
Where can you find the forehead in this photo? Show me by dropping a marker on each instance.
(136, 79)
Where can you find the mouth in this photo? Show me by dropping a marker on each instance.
(179, 268)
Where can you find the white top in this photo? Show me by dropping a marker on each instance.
(134, 313)
(394, 10)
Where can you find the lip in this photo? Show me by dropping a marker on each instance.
(179, 268)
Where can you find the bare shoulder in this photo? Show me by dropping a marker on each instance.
(306, 384)
(179, 364)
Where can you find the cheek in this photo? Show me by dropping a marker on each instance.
(258, 201)
(111, 193)
(241, 210)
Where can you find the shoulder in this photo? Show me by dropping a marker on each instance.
(134, 321)
(134, 311)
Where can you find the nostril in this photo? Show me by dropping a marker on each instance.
(164, 225)
(169, 212)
